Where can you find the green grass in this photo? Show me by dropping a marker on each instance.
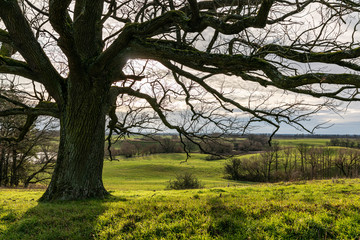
(140, 208)
(308, 141)
(302, 210)
(153, 172)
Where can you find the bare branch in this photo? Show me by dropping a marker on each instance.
(23, 39)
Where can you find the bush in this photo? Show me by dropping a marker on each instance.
(185, 181)
(232, 169)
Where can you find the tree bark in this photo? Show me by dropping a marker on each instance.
(78, 170)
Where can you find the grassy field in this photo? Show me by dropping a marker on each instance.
(153, 172)
(303, 210)
(309, 141)
(141, 208)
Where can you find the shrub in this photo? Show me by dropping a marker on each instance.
(185, 181)
(232, 169)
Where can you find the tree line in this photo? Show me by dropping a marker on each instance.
(303, 162)
(345, 142)
(218, 147)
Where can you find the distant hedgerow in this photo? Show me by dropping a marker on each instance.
(184, 181)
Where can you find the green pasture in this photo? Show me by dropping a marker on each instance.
(154, 171)
(327, 209)
(308, 141)
(140, 206)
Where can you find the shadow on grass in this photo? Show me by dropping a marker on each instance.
(58, 220)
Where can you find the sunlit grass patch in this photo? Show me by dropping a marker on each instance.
(308, 141)
(303, 210)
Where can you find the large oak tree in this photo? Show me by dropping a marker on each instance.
(84, 53)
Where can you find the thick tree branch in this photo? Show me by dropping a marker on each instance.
(42, 109)
(262, 16)
(87, 28)
(305, 56)
(23, 39)
(238, 64)
(5, 37)
(7, 50)
(194, 11)
(63, 25)
(312, 78)
(170, 19)
(12, 66)
(149, 28)
(193, 58)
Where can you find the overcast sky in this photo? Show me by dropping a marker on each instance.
(343, 122)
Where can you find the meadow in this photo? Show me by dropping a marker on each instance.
(140, 206)
(309, 141)
(326, 209)
(154, 171)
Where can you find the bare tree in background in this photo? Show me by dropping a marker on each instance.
(94, 56)
(21, 142)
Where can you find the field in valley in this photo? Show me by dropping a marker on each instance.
(154, 171)
(142, 208)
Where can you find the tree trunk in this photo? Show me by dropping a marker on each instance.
(78, 170)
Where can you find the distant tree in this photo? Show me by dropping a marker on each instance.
(168, 145)
(267, 158)
(190, 146)
(41, 166)
(20, 142)
(314, 160)
(347, 162)
(128, 149)
(254, 143)
(275, 148)
(152, 148)
(233, 169)
(217, 146)
(289, 163)
(303, 151)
